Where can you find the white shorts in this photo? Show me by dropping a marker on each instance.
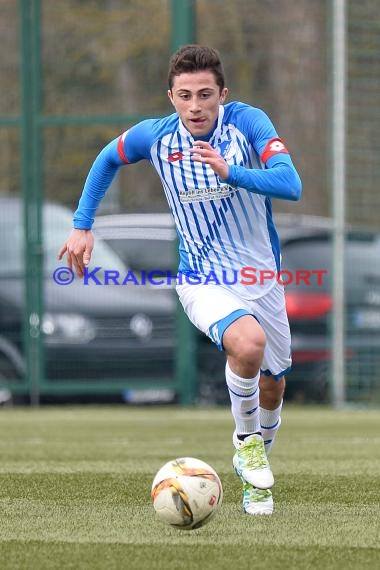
(212, 308)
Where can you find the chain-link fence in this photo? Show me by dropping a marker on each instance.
(75, 75)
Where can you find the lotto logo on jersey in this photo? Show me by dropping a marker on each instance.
(274, 146)
(174, 156)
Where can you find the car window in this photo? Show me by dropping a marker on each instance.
(147, 254)
(363, 261)
(57, 222)
(362, 255)
(142, 248)
(10, 246)
(305, 258)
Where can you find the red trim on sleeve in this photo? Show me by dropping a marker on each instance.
(274, 146)
(120, 148)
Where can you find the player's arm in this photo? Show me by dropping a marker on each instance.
(80, 242)
(278, 178)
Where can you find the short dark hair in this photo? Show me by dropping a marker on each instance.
(191, 58)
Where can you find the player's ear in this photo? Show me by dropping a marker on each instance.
(223, 95)
(170, 95)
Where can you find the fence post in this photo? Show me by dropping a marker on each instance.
(183, 22)
(31, 182)
(338, 152)
(183, 32)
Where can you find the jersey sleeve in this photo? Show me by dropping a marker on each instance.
(278, 177)
(263, 136)
(133, 145)
(98, 180)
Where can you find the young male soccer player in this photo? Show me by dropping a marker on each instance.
(220, 165)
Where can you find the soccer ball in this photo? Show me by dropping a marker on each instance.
(186, 493)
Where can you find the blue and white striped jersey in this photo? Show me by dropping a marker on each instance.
(223, 226)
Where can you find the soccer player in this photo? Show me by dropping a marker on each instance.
(220, 165)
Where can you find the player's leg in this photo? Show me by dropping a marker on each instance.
(271, 399)
(271, 313)
(228, 322)
(244, 343)
(259, 501)
(276, 363)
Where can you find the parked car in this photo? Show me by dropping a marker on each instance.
(93, 335)
(148, 241)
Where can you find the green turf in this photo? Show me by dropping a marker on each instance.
(75, 484)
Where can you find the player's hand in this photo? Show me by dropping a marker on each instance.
(78, 247)
(203, 152)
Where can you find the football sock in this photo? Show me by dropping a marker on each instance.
(244, 396)
(270, 421)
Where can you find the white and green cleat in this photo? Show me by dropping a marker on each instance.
(257, 501)
(251, 463)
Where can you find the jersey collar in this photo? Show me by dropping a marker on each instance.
(211, 136)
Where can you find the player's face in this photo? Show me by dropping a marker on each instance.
(196, 98)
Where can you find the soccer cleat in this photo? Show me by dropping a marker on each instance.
(257, 501)
(251, 463)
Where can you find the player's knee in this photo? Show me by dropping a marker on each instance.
(244, 342)
(249, 351)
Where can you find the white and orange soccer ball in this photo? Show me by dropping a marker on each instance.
(186, 493)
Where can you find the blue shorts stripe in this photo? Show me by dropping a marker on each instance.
(217, 330)
(276, 376)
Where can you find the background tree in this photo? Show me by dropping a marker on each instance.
(109, 58)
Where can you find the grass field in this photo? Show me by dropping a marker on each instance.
(75, 491)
